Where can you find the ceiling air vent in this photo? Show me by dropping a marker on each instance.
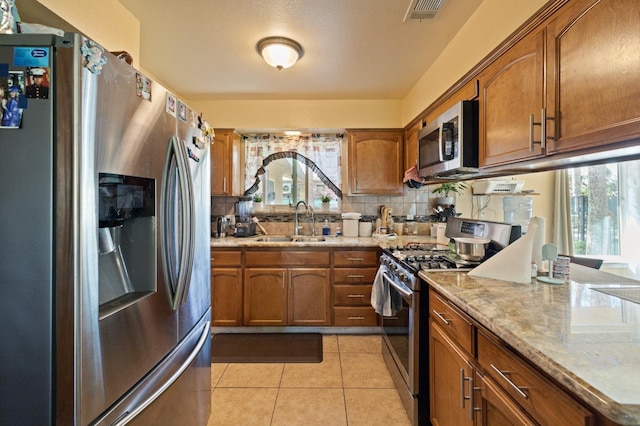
(420, 10)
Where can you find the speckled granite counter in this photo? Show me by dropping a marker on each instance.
(587, 340)
(330, 241)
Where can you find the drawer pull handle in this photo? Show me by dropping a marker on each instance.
(464, 398)
(355, 259)
(439, 315)
(355, 318)
(355, 276)
(355, 295)
(504, 374)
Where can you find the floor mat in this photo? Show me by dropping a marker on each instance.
(266, 347)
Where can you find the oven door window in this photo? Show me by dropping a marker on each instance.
(398, 329)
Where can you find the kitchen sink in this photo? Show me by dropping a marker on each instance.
(275, 239)
(289, 239)
(307, 239)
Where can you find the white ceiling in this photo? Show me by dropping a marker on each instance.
(354, 49)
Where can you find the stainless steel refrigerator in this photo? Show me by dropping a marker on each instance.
(104, 241)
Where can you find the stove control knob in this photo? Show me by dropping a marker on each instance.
(402, 276)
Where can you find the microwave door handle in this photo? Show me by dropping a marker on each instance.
(440, 141)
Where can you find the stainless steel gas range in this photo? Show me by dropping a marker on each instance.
(405, 331)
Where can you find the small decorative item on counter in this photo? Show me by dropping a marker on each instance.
(534, 269)
(338, 231)
(561, 267)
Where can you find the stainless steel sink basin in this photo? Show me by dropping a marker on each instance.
(289, 239)
(307, 239)
(275, 239)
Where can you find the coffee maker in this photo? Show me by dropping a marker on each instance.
(220, 227)
(245, 227)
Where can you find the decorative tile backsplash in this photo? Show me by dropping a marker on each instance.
(279, 219)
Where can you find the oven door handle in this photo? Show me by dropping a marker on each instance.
(397, 287)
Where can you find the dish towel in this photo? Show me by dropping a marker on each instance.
(383, 301)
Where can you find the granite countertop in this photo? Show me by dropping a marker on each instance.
(330, 241)
(587, 340)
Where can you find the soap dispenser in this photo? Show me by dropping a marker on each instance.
(326, 230)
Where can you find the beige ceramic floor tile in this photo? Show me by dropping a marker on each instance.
(360, 344)
(365, 407)
(325, 374)
(242, 407)
(329, 343)
(251, 375)
(217, 369)
(365, 371)
(310, 407)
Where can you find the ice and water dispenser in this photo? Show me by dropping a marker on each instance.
(126, 240)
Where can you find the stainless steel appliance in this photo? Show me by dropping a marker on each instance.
(105, 228)
(405, 334)
(221, 227)
(245, 227)
(448, 147)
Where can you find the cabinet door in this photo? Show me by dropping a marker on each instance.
(451, 380)
(309, 300)
(411, 145)
(494, 408)
(593, 73)
(265, 296)
(226, 163)
(511, 89)
(375, 162)
(226, 297)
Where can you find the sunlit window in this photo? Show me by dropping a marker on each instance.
(605, 211)
(283, 170)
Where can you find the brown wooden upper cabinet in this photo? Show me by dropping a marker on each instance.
(226, 164)
(375, 160)
(580, 69)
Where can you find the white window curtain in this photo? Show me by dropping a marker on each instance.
(562, 214)
(323, 150)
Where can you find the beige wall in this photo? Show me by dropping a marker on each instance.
(490, 25)
(111, 25)
(294, 114)
(105, 21)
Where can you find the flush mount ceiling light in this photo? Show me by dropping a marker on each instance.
(279, 52)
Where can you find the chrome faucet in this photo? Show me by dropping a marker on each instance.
(296, 227)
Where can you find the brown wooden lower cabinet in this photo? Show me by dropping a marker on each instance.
(493, 407)
(293, 287)
(280, 296)
(450, 375)
(265, 296)
(226, 297)
(539, 397)
(487, 383)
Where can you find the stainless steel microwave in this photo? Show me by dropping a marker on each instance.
(448, 147)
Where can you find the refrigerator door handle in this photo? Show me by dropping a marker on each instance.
(132, 412)
(189, 224)
(177, 222)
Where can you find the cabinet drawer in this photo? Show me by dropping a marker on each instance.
(452, 321)
(352, 295)
(543, 400)
(226, 258)
(350, 317)
(354, 275)
(355, 257)
(279, 258)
